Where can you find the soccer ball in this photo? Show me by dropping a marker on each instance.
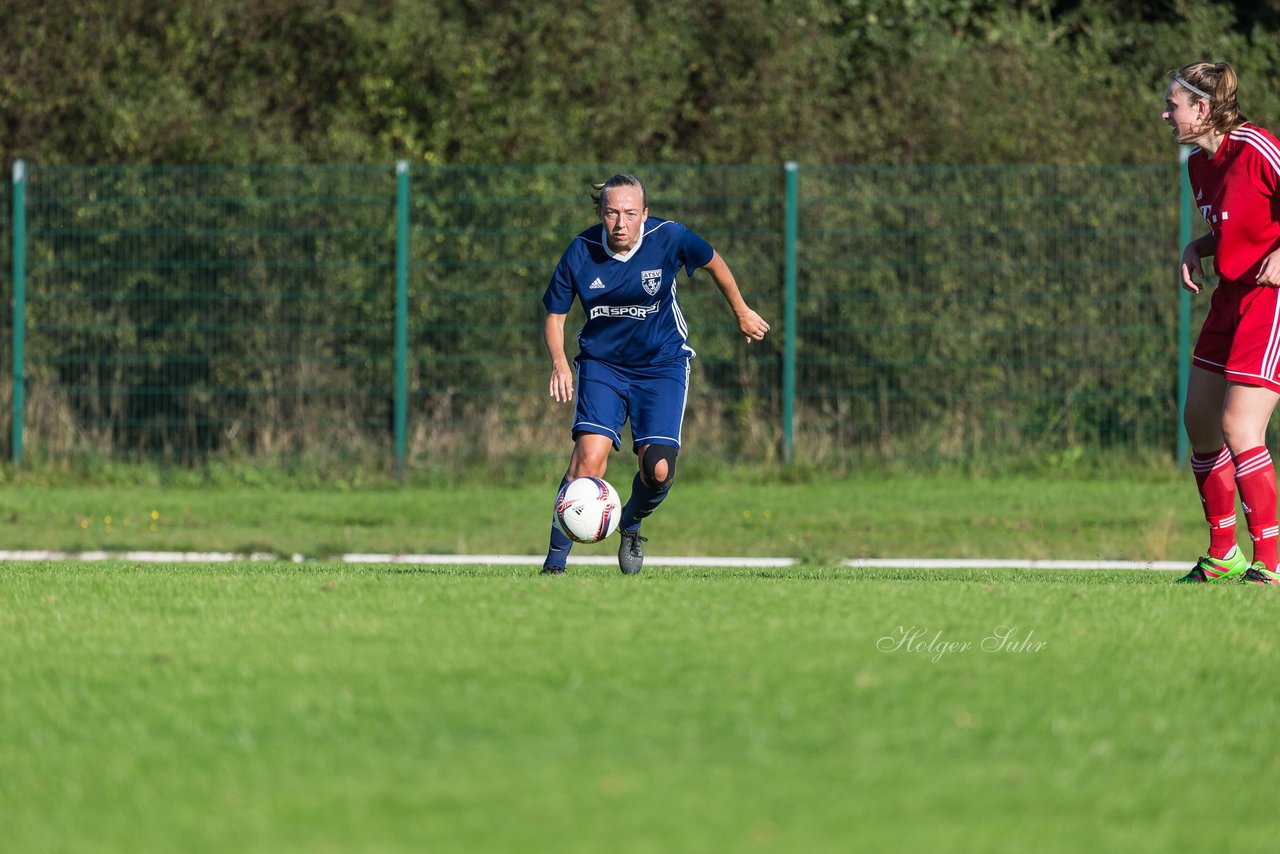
(588, 509)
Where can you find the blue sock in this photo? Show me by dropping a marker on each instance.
(558, 548)
(643, 501)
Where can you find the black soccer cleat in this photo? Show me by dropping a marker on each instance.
(551, 569)
(631, 552)
(1259, 574)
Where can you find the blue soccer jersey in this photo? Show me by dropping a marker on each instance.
(633, 315)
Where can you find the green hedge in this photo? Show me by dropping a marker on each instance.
(753, 81)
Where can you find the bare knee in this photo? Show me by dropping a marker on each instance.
(1205, 430)
(1240, 432)
(1245, 416)
(590, 457)
(1203, 414)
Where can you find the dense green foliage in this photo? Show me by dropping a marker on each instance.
(754, 81)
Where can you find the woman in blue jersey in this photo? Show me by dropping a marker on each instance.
(633, 353)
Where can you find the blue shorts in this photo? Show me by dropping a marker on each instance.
(652, 397)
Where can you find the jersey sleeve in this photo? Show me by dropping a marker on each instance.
(1264, 169)
(1266, 175)
(694, 252)
(558, 297)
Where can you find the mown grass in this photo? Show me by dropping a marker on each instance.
(819, 520)
(321, 707)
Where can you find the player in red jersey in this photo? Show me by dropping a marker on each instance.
(1235, 373)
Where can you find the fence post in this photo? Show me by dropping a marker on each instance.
(402, 314)
(789, 313)
(19, 306)
(1184, 305)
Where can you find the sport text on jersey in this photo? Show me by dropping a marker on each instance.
(635, 312)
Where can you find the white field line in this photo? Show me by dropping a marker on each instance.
(994, 563)
(138, 557)
(586, 560)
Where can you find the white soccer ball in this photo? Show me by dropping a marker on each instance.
(588, 509)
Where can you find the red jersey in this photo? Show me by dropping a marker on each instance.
(1238, 193)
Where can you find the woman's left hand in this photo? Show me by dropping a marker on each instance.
(752, 325)
(1269, 272)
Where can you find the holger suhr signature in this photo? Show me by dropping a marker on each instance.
(919, 640)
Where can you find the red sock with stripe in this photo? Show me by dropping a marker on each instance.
(1256, 480)
(1216, 482)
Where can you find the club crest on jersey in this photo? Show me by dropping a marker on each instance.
(651, 280)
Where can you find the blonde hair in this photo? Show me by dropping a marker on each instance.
(1216, 82)
(601, 190)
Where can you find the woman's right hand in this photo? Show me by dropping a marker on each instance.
(561, 382)
(1191, 269)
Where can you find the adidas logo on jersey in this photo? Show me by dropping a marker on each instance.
(597, 285)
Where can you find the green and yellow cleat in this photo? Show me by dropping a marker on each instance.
(1259, 574)
(1207, 569)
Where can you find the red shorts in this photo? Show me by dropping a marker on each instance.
(1241, 335)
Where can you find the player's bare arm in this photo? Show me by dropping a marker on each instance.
(750, 324)
(561, 386)
(1191, 269)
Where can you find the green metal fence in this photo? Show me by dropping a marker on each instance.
(395, 314)
(182, 312)
(6, 305)
(967, 309)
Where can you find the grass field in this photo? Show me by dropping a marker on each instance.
(323, 707)
(821, 521)
(327, 708)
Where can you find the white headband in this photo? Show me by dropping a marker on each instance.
(1177, 78)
